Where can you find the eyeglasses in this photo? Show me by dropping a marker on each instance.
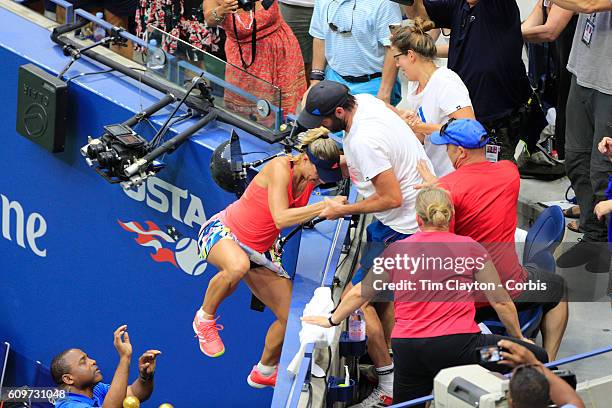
(451, 137)
(443, 130)
(333, 26)
(396, 56)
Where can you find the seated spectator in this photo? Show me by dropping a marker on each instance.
(351, 46)
(183, 19)
(434, 329)
(485, 196)
(78, 374)
(532, 384)
(119, 13)
(433, 95)
(261, 43)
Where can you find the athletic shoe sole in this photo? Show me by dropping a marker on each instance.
(219, 354)
(256, 385)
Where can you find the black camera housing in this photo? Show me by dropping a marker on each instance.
(248, 5)
(119, 147)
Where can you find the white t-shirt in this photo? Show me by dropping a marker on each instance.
(380, 140)
(444, 94)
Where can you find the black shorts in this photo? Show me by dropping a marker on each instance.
(418, 361)
(531, 299)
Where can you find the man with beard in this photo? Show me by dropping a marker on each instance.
(78, 374)
(380, 154)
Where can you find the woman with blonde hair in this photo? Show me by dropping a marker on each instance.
(433, 95)
(434, 329)
(275, 199)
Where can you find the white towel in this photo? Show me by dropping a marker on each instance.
(321, 304)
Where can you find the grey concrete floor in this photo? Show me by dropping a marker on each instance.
(590, 323)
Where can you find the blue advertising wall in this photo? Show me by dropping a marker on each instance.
(70, 273)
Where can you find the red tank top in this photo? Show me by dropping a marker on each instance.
(250, 219)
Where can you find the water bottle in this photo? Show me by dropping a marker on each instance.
(357, 326)
(98, 31)
(155, 56)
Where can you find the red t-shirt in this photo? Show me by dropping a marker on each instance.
(485, 196)
(437, 312)
(250, 219)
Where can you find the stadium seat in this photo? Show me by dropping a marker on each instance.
(543, 238)
(545, 234)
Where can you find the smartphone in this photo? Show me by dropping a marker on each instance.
(490, 354)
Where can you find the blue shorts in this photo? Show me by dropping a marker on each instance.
(379, 236)
(371, 87)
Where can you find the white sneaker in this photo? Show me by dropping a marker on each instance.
(377, 399)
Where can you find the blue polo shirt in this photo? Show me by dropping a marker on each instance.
(357, 47)
(82, 401)
(485, 50)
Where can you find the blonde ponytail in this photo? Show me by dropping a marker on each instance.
(320, 144)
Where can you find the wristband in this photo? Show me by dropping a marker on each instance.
(331, 323)
(316, 75)
(217, 17)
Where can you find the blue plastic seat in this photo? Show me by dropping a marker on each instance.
(543, 238)
(545, 234)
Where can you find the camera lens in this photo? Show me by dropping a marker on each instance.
(93, 150)
(107, 159)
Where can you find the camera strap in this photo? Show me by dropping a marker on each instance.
(253, 41)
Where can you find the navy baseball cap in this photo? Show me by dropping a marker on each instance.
(328, 170)
(467, 133)
(323, 98)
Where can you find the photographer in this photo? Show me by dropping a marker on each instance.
(79, 375)
(261, 43)
(485, 50)
(532, 384)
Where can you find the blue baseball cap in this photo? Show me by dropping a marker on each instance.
(467, 133)
(329, 171)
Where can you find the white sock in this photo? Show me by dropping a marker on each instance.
(265, 370)
(202, 316)
(385, 378)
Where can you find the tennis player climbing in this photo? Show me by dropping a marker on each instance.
(275, 199)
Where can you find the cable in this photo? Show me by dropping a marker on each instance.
(98, 72)
(158, 137)
(106, 71)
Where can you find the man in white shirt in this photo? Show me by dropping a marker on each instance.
(381, 154)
